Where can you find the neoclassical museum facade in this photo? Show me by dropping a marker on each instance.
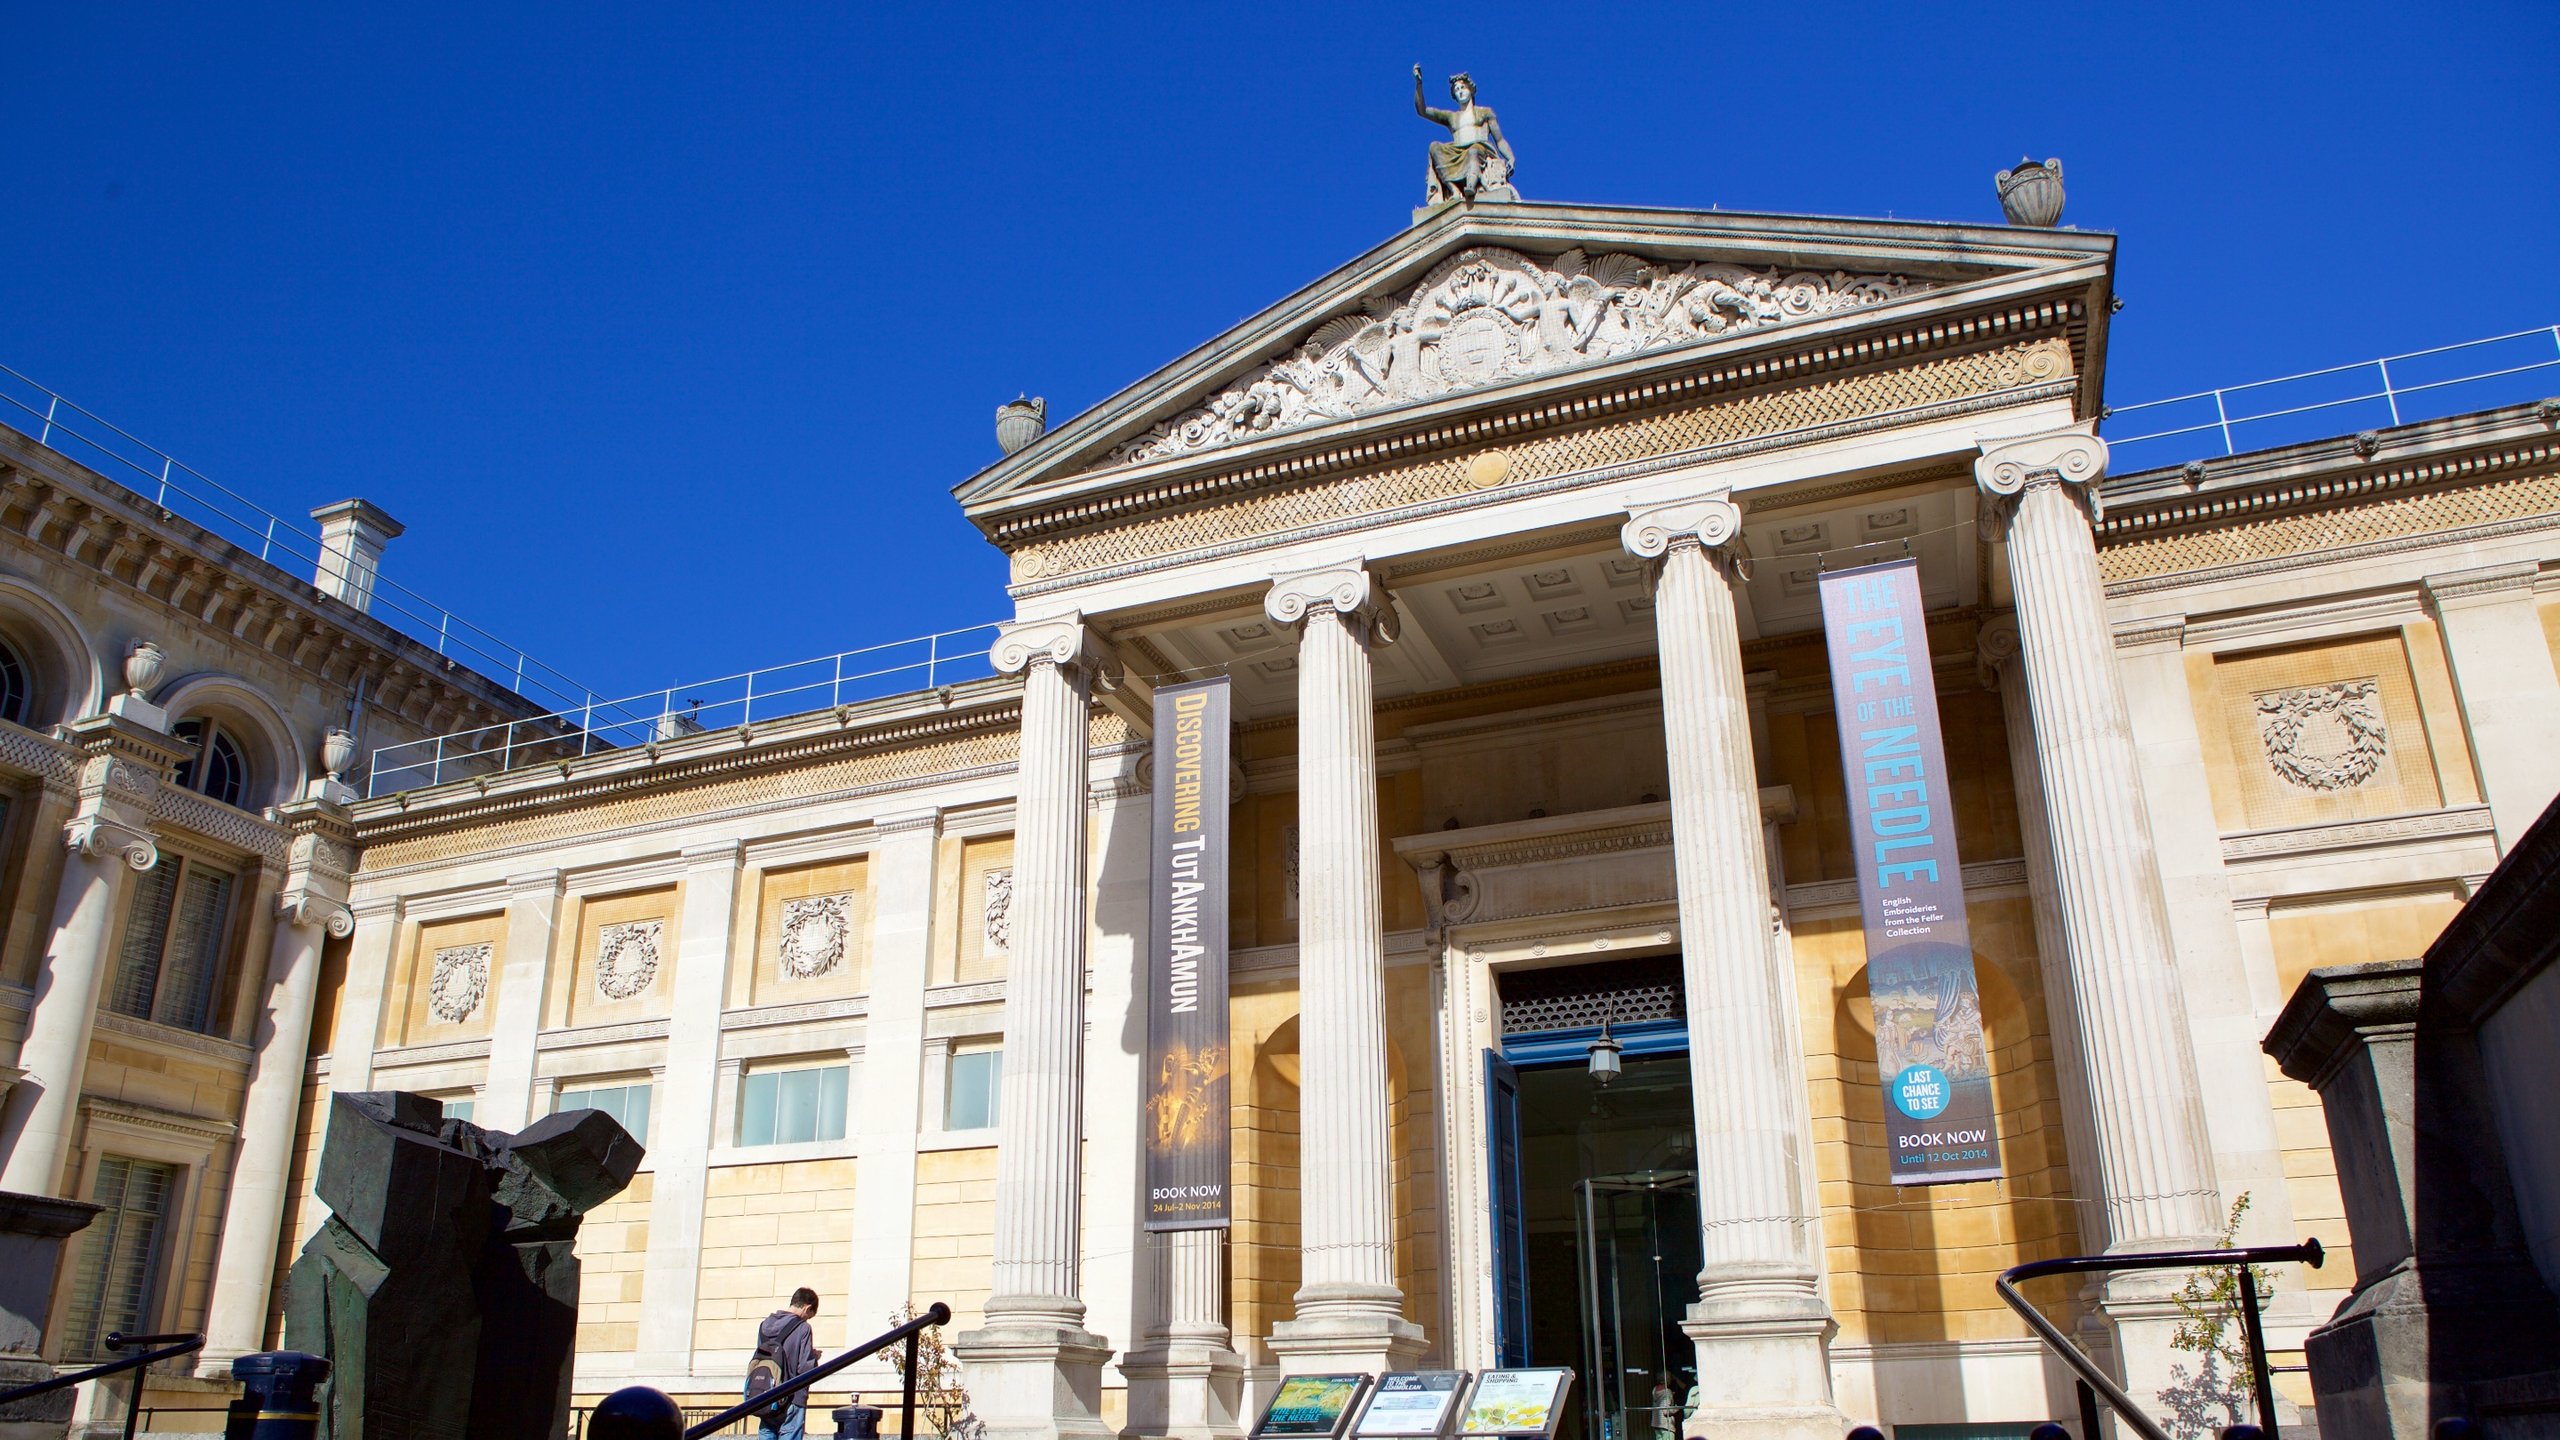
(1507, 535)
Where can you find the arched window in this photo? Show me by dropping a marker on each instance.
(17, 692)
(218, 768)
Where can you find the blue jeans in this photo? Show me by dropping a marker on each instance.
(788, 1427)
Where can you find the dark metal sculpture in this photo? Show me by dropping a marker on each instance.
(444, 1287)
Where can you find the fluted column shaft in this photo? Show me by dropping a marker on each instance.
(253, 1217)
(1040, 1111)
(2146, 1111)
(2001, 668)
(1750, 1154)
(44, 1108)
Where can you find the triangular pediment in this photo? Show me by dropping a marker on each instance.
(1479, 301)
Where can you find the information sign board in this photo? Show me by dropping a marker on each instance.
(1412, 1402)
(1517, 1402)
(1312, 1405)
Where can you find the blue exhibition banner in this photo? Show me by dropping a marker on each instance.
(1929, 1046)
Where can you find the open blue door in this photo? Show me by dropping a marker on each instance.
(1510, 1213)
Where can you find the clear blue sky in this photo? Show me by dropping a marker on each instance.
(667, 330)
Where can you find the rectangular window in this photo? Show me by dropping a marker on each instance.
(461, 1109)
(628, 1104)
(976, 1078)
(784, 1107)
(119, 1256)
(172, 954)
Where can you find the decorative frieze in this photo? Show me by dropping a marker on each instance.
(459, 982)
(627, 957)
(1489, 315)
(996, 911)
(2324, 737)
(815, 931)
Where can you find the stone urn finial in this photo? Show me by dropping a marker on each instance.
(337, 752)
(142, 668)
(1020, 421)
(2031, 194)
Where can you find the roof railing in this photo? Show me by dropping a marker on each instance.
(2419, 388)
(926, 662)
(184, 491)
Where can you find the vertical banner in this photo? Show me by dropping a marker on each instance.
(1929, 1049)
(1186, 1119)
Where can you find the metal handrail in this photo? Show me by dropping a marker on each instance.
(2390, 394)
(2093, 1375)
(936, 1314)
(186, 1342)
(56, 423)
(604, 725)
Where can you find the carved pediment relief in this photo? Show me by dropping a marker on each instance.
(1487, 315)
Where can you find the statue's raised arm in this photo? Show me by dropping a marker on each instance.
(1422, 107)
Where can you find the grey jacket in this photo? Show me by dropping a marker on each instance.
(787, 1336)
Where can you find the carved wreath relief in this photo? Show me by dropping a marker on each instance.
(814, 933)
(2324, 737)
(459, 982)
(1488, 314)
(627, 957)
(999, 912)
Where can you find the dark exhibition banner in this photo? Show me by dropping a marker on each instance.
(1186, 1118)
(1929, 1048)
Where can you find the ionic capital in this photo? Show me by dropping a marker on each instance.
(1994, 649)
(301, 908)
(94, 834)
(1061, 640)
(1712, 522)
(2006, 468)
(1348, 589)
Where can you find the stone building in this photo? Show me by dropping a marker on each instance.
(1507, 534)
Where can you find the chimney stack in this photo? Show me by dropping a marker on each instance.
(352, 534)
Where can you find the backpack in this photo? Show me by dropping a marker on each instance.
(764, 1374)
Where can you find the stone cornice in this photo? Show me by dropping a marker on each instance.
(624, 1033)
(2357, 834)
(131, 544)
(851, 1007)
(168, 1038)
(2339, 1010)
(904, 720)
(442, 1053)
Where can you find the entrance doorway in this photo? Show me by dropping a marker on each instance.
(1597, 1218)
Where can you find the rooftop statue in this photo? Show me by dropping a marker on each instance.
(1475, 162)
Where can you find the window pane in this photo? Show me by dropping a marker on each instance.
(194, 956)
(146, 934)
(831, 1086)
(634, 1114)
(755, 1111)
(795, 1115)
(974, 1079)
(119, 1253)
(459, 1109)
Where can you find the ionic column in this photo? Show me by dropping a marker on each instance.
(1034, 1370)
(311, 908)
(110, 842)
(1350, 1314)
(1761, 1323)
(2146, 1114)
(2502, 673)
(370, 957)
(680, 1141)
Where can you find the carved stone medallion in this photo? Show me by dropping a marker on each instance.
(627, 958)
(1487, 315)
(815, 931)
(460, 981)
(999, 912)
(2324, 737)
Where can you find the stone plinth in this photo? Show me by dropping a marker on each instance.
(32, 1230)
(2448, 1317)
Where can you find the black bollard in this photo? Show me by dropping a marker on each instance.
(858, 1422)
(2050, 1431)
(2453, 1427)
(280, 1399)
(1866, 1432)
(2243, 1432)
(636, 1413)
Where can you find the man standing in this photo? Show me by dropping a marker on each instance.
(784, 1338)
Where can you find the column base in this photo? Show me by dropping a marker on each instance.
(1764, 1370)
(1333, 1337)
(2142, 1321)
(1185, 1388)
(1030, 1380)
